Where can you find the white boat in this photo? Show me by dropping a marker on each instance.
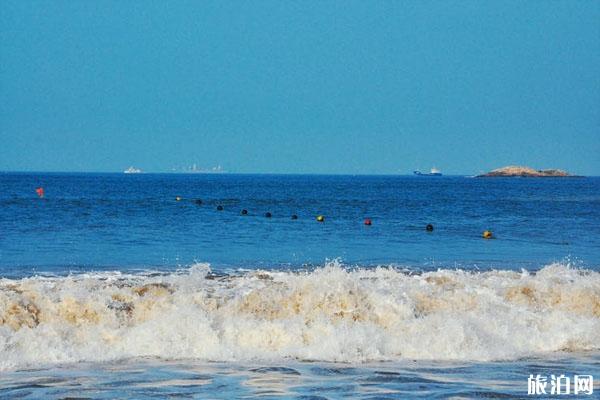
(132, 170)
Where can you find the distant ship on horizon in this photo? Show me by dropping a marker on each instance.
(433, 172)
(132, 170)
(194, 169)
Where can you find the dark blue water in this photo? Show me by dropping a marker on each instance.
(124, 222)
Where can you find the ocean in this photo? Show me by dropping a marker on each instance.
(157, 285)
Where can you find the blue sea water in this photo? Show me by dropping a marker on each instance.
(118, 221)
(112, 287)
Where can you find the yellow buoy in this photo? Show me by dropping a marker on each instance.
(320, 218)
(487, 234)
(177, 198)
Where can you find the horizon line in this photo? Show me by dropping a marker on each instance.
(245, 173)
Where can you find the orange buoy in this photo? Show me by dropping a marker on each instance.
(368, 221)
(40, 192)
(487, 235)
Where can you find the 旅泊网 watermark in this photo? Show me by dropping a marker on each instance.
(560, 384)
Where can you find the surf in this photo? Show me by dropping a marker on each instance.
(331, 313)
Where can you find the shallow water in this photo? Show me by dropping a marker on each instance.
(110, 287)
(146, 379)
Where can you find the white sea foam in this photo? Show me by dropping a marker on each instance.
(331, 314)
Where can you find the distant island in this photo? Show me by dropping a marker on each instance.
(526, 172)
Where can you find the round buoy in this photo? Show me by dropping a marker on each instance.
(198, 201)
(368, 221)
(40, 192)
(177, 198)
(320, 218)
(244, 212)
(219, 208)
(268, 215)
(429, 228)
(487, 234)
(294, 216)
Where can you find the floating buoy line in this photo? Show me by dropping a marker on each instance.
(487, 234)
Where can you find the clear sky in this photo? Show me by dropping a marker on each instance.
(300, 87)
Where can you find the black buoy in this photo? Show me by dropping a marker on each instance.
(294, 216)
(268, 214)
(219, 208)
(198, 201)
(244, 212)
(429, 228)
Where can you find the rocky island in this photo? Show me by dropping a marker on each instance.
(526, 172)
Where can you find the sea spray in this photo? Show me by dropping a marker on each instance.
(329, 314)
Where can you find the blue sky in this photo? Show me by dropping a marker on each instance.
(300, 87)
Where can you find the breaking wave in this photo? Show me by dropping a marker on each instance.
(328, 314)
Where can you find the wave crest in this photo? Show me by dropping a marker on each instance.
(329, 314)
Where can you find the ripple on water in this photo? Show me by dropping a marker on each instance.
(154, 378)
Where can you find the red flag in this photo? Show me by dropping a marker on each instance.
(40, 192)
